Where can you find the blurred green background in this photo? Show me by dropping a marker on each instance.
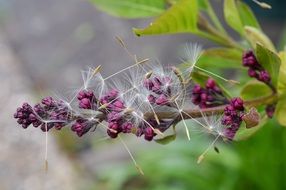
(51, 41)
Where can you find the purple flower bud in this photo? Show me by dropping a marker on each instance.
(85, 103)
(25, 126)
(81, 95)
(32, 117)
(229, 110)
(203, 105)
(89, 94)
(58, 126)
(26, 107)
(81, 127)
(210, 98)
(86, 99)
(46, 127)
(196, 99)
(19, 114)
(149, 134)
(252, 73)
(162, 100)
(210, 83)
(237, 103)
(249, 59)
(117, 105)
(139, 132)
(127, 127)
(197, 89)
(270, 110)
(226, 120)
(204, 97)
(112, 93)
(114, 117)
(39, 109)
(148, 84)
(48, 101)
(217, 90)
(231, 131)
(113, 129)
(156, 88)
(151, 99)
(264, 76)
(158, 81)
(76, 127)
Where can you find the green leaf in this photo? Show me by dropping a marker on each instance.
(226, 53)
(181, 17)
(280, 111)
(131, 8)
(166, 140)
(254, 36)
(221, 58)
(270, 61)
(203, 4)
(254, 89)
(218, 62)
(232, 17)
(246, 15)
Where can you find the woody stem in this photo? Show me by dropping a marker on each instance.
(196, 113)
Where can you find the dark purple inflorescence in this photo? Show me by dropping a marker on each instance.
(82, 126)
(119, 118)
(255, 69)
(208, 97)
(160, 90)
(233, 117)
(212, 96)
(49, 114)
(110, 107)
(87, 100)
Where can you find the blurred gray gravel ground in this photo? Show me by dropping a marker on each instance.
(22, 151)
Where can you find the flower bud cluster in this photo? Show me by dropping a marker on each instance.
(208, 97)
(255, 70)
(87, 100)
(233, 117)
(120, 117)
(40, 115)
(82, 126)
(160, 88)
(116, 117)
